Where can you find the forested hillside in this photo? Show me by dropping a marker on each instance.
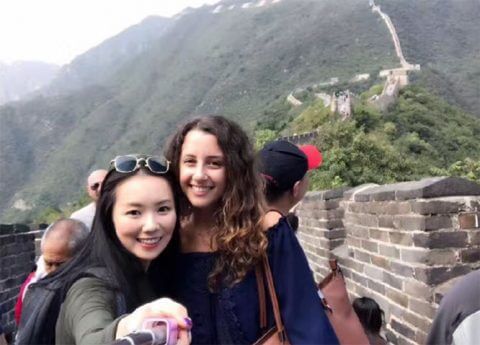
(241, 62)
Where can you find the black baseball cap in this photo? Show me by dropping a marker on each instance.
(283, 163)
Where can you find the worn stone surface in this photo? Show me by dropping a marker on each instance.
(398, 244)
(469, 220)
(439, 275)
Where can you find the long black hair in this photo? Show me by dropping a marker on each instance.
(103, 248)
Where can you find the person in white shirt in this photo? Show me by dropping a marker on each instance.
(94, 185)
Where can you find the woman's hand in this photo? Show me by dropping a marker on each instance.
(160, 308)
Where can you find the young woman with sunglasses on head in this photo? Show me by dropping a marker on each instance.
(135, 220)
(222, 241)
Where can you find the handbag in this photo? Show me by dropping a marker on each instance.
(339, 310)
(277, 334)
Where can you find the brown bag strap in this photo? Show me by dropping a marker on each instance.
(273, 298)
(261, 297)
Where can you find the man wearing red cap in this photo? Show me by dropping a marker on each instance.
(284, 167)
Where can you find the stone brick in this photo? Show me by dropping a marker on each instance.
(422, 222)
(375, 286)
(370, 246)
(441, 239)
(356, 266)
(336, 243)
(329, 224)
(369, 220)
(380, 261)
(327, 214)
(438, 275)
(354, 242)
(426, 207)
(423, 308)
(362, 256)
(394, 208)
(356, 207)
(373, 272)
(389, 251)
(391, 337)
(335, 233)
(405, 239)
(435, 187)
(401, 340)
(379, 235)
(418, 289)
(469, 220)
(385, 221)
(438, 222)
(441, 257)
(417, 321)
(401, 328)
(429, 257)
(474, 238)
(409, 222)
(416, 255)
(320, 252)
(470, 255)
(421, 337)
(397, 296)
(328, 204)
(401, 269)
(383, 196)
(359, 279)
(359, 231)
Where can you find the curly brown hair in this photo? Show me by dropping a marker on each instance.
(239, 237)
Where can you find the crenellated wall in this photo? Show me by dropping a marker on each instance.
(401, 244)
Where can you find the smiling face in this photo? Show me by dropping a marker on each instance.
(202, 169)
(144, 215)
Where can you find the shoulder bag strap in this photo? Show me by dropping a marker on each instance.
(262, 303)
(274, 300)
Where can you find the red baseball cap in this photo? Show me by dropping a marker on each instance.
(314, 156)
(284, 163)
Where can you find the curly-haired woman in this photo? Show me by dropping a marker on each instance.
(222, 240)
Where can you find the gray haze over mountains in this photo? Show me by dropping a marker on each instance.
(235, 58)
(21, 78)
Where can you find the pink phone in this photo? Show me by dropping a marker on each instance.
(165, 330)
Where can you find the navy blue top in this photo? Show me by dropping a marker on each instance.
(231, 315)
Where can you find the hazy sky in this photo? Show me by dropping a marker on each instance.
(58, 30)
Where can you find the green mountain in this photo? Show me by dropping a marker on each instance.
(442, 36)
(239, 60)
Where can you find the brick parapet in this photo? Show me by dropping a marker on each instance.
(17, 259)
(402, 245)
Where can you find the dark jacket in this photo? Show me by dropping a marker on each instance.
(458, 318)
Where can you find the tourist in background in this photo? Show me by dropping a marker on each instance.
(458, 318)
(284, 167)
(60, 241)
(94, 185)
(371, 317)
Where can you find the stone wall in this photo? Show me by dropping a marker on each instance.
(17, 258)
(401, 244)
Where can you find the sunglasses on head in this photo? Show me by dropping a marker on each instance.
(131, 163)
